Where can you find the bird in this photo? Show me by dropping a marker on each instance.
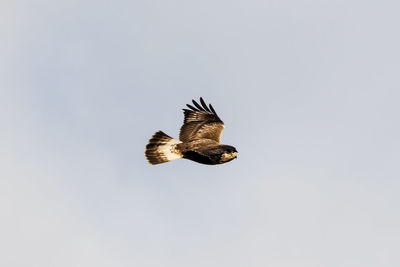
(199, 139)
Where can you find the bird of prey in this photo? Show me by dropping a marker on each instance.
(198, 139)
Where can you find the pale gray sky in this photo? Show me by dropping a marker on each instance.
(308, 91)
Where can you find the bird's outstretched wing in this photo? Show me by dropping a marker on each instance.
(201, 122)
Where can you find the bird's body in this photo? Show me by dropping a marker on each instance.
(198, 139)
(207, 152)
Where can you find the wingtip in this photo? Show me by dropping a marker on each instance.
(212, 109)
(191, 107)
(197, 105)
(203, 103)
(202, 106)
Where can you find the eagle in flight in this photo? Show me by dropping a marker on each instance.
(198, 139)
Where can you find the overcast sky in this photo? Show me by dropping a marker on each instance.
(309, 94)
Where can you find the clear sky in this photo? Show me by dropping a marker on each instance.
(308, 90)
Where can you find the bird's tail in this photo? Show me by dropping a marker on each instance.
(162, 148)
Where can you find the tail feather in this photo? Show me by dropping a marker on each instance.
(162, 148)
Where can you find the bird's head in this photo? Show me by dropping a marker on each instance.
(228, 153)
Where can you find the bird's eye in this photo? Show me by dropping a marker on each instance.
(229, 151)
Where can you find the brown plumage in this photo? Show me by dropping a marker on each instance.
(199, 139)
